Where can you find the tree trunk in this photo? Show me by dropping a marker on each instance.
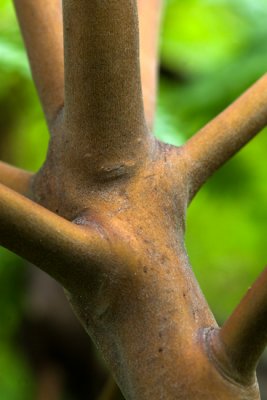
(105, 215)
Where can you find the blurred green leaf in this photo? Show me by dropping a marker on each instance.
(13, 58)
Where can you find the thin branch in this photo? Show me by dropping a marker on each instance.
(41, 25)
(103, 99)
(149, 22)
(60, 248)
(15, 178)
(218, 141)
(244, 334)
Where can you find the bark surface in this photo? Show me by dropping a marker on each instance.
(105, 215)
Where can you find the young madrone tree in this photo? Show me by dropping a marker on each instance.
(105, 215)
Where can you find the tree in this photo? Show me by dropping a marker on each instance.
(105, 215)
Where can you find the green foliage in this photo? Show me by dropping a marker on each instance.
(15, 378)
(21, 121)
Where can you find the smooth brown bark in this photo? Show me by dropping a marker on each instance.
(219, 140)
(244, 334)
(122, 260)
(149, 23)
(41, 25)
(15, 178)
(103, 110)
(45, 239)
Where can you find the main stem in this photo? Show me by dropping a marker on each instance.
(103, 98)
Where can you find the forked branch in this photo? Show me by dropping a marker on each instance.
(219, 140)
(151, 290)
(62, 249)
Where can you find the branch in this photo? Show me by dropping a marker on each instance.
(244, 334)
(41, 25)
(104, 113)
(60, 248)
(226, 134)
(15, 178)
(238, 345)
(43, 35)
(149, 21)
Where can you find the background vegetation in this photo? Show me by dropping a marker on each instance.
(211, 51)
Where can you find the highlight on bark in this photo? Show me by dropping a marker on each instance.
(105, 215)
